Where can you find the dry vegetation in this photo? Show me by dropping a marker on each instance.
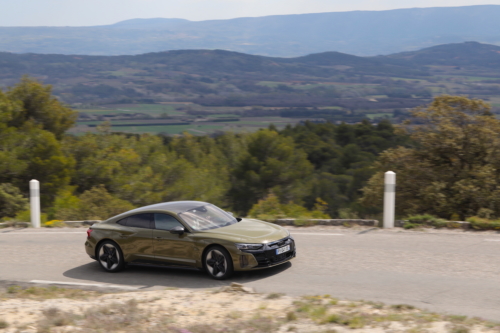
(229, 309)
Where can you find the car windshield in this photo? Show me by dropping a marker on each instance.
(207, 217)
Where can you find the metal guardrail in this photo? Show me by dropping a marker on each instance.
(28, 224)
(86, 222)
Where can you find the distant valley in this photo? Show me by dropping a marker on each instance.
(205, 91)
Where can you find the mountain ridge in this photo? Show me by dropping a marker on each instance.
(362, 33)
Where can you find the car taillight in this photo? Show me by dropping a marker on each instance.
(89, 231)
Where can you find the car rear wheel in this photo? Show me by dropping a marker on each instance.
(110, 257)
(218, 263)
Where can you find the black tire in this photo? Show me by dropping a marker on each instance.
(110, 257)
(218, 263)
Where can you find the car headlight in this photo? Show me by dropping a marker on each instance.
(249, 246)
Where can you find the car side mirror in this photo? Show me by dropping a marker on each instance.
(177, 230)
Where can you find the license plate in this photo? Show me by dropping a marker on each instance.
(283, 249)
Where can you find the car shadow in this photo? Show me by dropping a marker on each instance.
(147, 276)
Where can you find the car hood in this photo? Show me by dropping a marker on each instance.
(249, 231)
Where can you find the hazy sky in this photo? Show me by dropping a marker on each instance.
(98, 12)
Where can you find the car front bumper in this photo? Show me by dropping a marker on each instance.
(266, 257)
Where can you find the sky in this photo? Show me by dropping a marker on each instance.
(102, 12)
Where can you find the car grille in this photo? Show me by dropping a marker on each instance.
(267, 259)
(268, 256)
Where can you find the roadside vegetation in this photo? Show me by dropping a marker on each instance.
(227, 310)
(42, 293)
(446, 160)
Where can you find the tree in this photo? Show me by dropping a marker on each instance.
(32, 153)
(11, 200)
(271, 163)
(94, 204)
(454, 166)
(38, 105)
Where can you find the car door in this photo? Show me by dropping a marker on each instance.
(136, 240)
(168, 247)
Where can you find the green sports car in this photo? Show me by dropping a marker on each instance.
(188, 233)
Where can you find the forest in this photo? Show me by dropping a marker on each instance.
(445, 157)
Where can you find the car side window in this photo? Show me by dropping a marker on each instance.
(166, 222)
(138, 221)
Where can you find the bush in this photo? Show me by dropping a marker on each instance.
(94, 204)
(416, 221)
(25, 216)
(409, 225)
(483, 224)
(11, 200)
(421, 219)
(270, 209)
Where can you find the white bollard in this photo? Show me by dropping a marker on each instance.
(35, 203)
(389, 199)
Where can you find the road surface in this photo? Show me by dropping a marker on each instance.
(451, 272)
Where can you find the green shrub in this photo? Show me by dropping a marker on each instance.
(270, 209)
(25, 216)
(421, 219)
(416, 221)
(408, 225)
(11, 200)
(483, 224)
(94, 204)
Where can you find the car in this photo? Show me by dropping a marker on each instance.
(188, 233)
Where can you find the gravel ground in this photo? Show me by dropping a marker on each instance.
(234, 308)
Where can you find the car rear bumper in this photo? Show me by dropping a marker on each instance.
(89, 248)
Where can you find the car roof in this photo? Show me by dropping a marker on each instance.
(172, 206)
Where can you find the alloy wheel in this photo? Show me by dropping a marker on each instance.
(109, 256)
(216, 263)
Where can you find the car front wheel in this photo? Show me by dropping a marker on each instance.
(110, 257)
(218, 263)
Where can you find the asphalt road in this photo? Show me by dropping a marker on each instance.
(457, 273)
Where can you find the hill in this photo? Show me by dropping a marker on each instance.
(363, 33)
(202, 62)
(471, 54)
(180, 87)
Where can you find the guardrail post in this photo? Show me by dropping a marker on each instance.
(389, 199)
(35, 203)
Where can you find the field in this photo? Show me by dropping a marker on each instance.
(156, 119)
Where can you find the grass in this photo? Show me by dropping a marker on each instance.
(357, 315)
(115, 317)
(275, 295)
(41, 293)
(53, 317)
